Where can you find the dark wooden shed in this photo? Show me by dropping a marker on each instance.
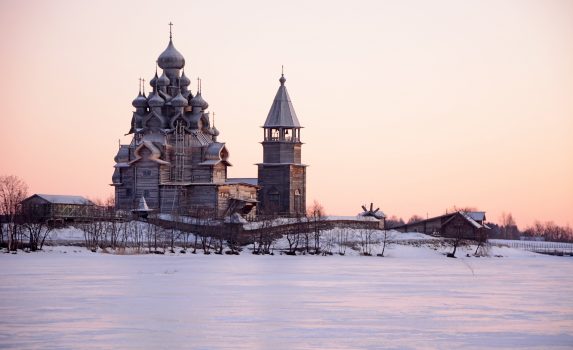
(50, 207)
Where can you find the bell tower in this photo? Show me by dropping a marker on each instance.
(281, 175)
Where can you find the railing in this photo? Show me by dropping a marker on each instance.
(551, 248)
(268, 228)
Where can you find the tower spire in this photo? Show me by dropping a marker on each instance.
(140, 85)
(170, 33)
(282, 78)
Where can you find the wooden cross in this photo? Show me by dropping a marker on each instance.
(170, 25)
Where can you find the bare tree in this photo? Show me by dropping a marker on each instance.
(316, 216)
(385, 242)
(93, 233)
(366, 240)
(456, 240)
(508, 226)
(329, 241)
(12, 191)
(415, 218)
(482, 242)
(342, 240)
(455, 208)
(36, 228)
(394, 221)
(550, 231)
(293, 233)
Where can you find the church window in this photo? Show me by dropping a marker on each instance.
(146, 172)
(274, 199)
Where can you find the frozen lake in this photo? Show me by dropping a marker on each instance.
(98, 301)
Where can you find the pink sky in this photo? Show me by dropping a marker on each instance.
(413, 105)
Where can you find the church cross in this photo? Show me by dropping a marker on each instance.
(170, 25)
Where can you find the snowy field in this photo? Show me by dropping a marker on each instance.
(68, 298)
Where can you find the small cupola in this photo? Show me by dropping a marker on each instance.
(179, 101)
(155, 100)
(184, 81)
(163, 80)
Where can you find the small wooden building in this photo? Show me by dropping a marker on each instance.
(466, 225)
(50, 207)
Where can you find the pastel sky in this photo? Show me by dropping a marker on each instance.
(414, 105)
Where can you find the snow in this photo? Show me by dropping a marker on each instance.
(64, 199)
(415, 298)
(69, 233)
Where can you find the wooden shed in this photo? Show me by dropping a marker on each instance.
(57, 207)
(467, 225)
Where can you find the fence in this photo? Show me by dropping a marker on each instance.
(551, 248)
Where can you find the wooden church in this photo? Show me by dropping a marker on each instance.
(176, 165)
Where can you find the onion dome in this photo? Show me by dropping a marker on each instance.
(198, 101)
(171, 58)
(282, 79)
(153, 81)
(214, 131)
(155, 100)
(163, 80)
(140, 101)
(179, 101)
(184, 81)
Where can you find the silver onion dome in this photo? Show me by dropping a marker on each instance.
(153, 81)
(140, 101)
(184, 81)
(198, 101)
(155, 100)
(171, 58)
(163, 80)
(179, 101)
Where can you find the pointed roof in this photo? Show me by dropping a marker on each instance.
(282, 112)
(143, 205)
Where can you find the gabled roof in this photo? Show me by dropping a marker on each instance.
(155, 153)
(63, 199)
(474, 218)
(215, 153)
(476, 215)
(468, 218)
(282, 112)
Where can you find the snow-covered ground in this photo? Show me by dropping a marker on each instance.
(415, 298)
